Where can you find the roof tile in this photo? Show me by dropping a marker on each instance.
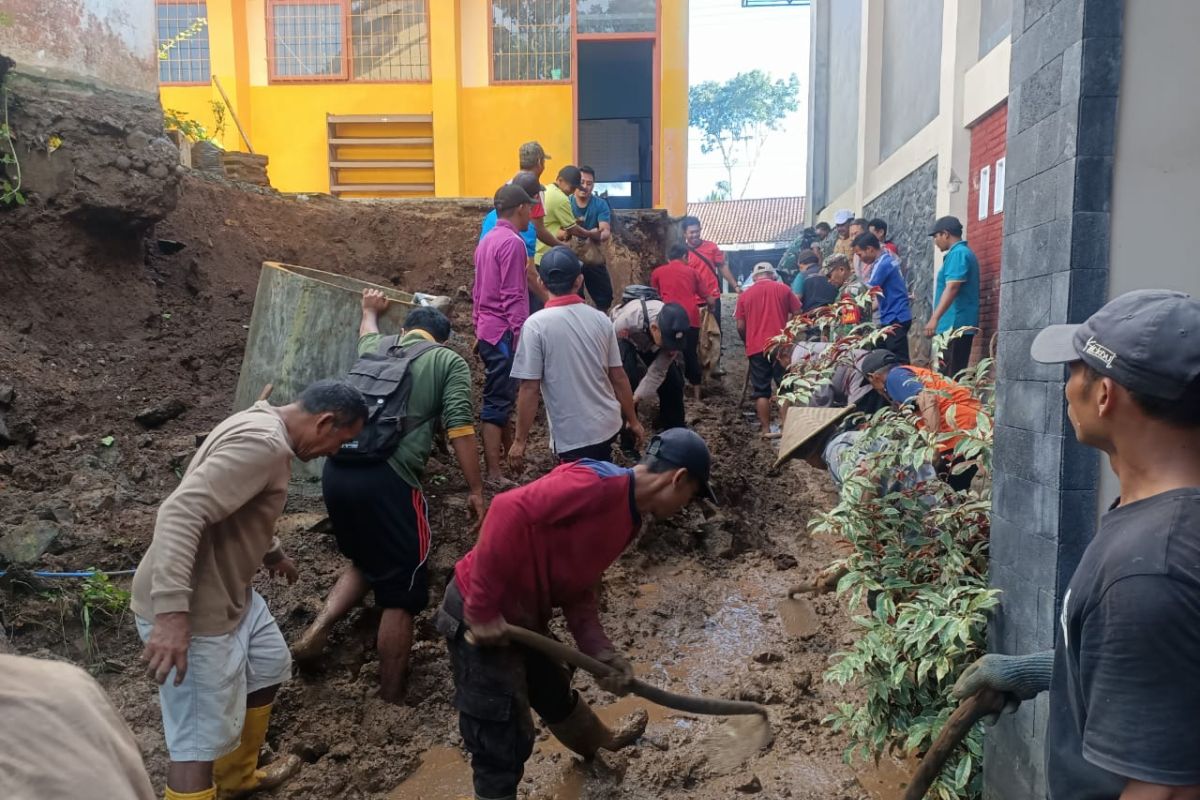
(766, 220)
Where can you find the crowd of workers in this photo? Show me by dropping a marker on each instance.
(1123, 702)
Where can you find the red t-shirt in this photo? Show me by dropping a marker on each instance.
(545, 545)
(676, 282)
(765, 307)
(710, 275)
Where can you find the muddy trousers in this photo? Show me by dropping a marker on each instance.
(670, 392)
(494, 690)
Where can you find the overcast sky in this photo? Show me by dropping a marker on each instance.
(726, 39)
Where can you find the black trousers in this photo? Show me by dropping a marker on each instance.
(670, 393)
(494, 690)
(897, 340)
(599, 286)
(691, 357)
(600, 451)
(956, 356)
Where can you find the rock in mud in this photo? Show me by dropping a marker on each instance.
(786, 561)
(158, 415)
(749, 785)
(7, 393)
(768, 657)
(5, 438)
(26, 543)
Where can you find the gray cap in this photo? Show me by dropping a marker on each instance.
(1147, 341)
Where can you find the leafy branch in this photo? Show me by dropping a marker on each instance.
(165, 47)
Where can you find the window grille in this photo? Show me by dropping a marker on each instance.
(182, 42)
(356, 40)
(531, 40)
(618, 16)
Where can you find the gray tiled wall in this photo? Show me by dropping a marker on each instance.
(1062, 116)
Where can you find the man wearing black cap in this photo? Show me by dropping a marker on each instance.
(568, 351)
(957, 303)
(543, 546)
(1124, 694)
(650, 334)
(500, 305)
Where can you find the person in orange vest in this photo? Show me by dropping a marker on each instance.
(935, 398)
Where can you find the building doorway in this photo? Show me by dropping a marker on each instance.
(615, 107)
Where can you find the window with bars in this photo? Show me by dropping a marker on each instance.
(531, 40)
(618, 16)
(182, 42)
(356, 40)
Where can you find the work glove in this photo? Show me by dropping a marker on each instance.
(622, 673)
(1016, 677)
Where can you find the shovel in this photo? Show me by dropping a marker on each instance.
(741, 742)
(969, 711)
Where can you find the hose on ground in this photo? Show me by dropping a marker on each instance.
(84, 574)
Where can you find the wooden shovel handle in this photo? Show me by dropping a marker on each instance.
(969, 711)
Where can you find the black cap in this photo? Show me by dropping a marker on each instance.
(510, 196)
(529, 182)
(1147, 341)
(684, 448)
(950, 225)
(879, 359)
(560, 267)
(673, 324)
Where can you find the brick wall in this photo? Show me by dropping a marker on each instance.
(986, 236)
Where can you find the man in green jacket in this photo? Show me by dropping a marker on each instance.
(378, 512)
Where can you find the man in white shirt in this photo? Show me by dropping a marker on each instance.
(568, 352)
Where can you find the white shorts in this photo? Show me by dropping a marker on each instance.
(203, 716)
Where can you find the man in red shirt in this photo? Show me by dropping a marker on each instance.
(543, 546)
(708, 260)
(762, 313)
(676, 282)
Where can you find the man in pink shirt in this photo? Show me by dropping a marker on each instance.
(501, 306)
(543, 546)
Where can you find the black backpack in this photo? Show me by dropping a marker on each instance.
(641, 293)
(385, 379)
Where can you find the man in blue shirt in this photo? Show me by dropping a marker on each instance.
(529, 182)
(957, 304)
(595, 218)
(894, 311)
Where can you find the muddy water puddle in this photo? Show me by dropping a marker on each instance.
(443, 775)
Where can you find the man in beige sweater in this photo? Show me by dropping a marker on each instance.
(192, 599)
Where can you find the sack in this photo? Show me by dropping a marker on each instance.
(589, 252)
(385, 379)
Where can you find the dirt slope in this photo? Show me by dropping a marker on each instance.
(90, 334)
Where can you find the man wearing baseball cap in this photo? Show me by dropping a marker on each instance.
(568, 353)
(543, 546)
(839, 240)
(652, 335)
(500, 306)
(1124, 694)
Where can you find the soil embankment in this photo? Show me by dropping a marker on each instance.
(95, 331)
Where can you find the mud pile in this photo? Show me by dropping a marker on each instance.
(98, 333)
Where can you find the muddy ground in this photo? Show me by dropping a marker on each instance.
(94, 330)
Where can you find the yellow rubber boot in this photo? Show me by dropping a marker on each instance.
(236, 774)
(206, 794)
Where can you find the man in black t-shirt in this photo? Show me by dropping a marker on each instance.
(1124, 677)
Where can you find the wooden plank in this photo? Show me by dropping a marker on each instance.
(382, 187)
(398, 140)
(377, 118)
(381, 164)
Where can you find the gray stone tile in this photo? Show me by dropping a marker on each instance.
(1090, 245)
(1097, 126)
(1022, 404)
(1021, 159)
(1041, 95)
(1037, 201)
(1072, 67)
(1104, 18)
(1093, 183)
(1101, 72)
(1056, 136)
(1029, 301)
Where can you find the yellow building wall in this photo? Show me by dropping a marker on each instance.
(477, 127)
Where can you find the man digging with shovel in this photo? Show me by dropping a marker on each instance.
(543, 546)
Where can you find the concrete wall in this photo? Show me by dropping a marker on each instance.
(910, 88)
(107, 42)
(845, 35)
(1061, 116)
(995, 23)
(909, 207)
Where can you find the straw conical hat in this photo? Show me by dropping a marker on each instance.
(802, 424)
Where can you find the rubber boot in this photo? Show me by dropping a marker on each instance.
(236, 774)
(583, 732)
(204, 794)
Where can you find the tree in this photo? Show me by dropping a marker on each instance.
(720, 192)
(737, 116)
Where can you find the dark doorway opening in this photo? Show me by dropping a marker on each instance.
(616, 118)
